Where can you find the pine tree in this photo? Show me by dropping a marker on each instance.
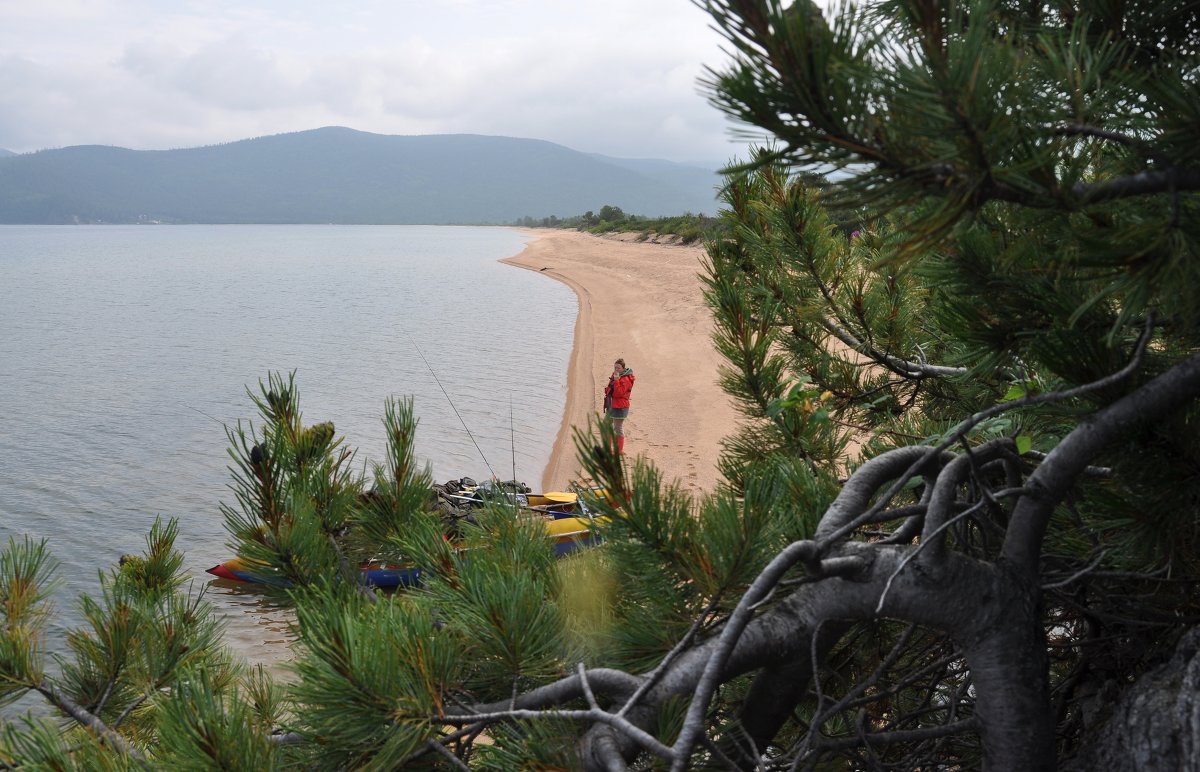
(960, 521)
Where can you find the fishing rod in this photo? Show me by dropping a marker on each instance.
(201, 412)
(512, 437)
(452, 407)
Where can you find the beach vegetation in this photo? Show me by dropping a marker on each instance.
(960, 526)
(609, 213)
(686, 228)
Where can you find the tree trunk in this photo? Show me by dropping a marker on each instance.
(1154, 724)
(1007, 657)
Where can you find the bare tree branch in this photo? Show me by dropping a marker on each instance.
(864, 684)
(1056, 475)
(935, 535)
(640, 736)
(694, 722)
(614, 683)
(775, 692)
(1081, 572)
(945, 495)
(964, 427)
(900, 735)
(649, 681)
(847, 509)
(445, 753)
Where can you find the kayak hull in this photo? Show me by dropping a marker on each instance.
(567, 534)
(376, 575)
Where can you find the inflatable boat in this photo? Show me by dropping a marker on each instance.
(567, 531)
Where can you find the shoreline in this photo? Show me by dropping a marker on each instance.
(642, 301)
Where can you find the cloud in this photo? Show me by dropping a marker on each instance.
(225, 75)
(617, 77)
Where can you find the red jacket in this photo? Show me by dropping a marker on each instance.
(618, 389)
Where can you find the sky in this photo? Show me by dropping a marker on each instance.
(617, 77)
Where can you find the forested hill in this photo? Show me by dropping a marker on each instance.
(339, 175)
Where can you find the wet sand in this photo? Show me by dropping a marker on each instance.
(643, 302)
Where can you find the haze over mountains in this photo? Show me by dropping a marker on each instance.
(339, 175)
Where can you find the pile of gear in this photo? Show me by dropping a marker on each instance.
(455, 500)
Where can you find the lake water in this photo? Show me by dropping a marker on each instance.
(124, 350)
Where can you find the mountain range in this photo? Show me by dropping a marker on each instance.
(339, 175)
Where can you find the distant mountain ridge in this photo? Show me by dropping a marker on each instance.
(4, 153)
(339, 175)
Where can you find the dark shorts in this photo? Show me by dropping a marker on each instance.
(618, 412)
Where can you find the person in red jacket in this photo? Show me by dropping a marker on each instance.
(616, 399)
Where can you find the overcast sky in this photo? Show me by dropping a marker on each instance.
(616, 77)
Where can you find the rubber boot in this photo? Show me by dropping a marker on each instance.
(621, 445)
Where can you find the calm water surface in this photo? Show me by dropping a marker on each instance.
(124, 349)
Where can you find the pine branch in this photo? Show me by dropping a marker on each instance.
(846, 514)
(1173, 180)
(901, 367)
(92, 722)
(1058, 473)
(936, 535)
(594, 714)
(1080, 130)
(964, 427)
(445, 753)
(764, 584)
(863, 685)
(615, 683)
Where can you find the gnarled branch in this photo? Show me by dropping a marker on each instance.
(1051, 481)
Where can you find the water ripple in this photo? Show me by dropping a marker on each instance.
(124, 348)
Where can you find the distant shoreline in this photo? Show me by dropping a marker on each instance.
(644, 302)
(339, 175)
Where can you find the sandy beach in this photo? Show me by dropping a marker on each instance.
(644, 302)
